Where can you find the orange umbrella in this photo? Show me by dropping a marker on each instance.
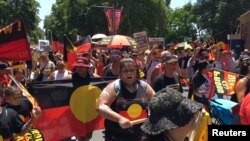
(117, 41)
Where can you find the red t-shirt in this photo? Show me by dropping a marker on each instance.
(245, 110)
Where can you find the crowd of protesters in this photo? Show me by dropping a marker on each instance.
(139, 75)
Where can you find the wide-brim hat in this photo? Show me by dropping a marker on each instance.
(81, 62)
(169, 110)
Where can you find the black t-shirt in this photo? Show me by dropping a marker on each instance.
(23, 109)
(9, 123)
(198, 80)
(108, 73)
(78, 81)
(162, 81)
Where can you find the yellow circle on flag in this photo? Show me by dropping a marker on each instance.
(134, 110)
(1, 138)
(83, 103)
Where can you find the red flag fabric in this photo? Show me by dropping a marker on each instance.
(69, 55)
(109, 15)
(57, 46)
(71, 50)
(118, 14)
(14, 45)
(67, 112)
(117, 17)
(83, 45)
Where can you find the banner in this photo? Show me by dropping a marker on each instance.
(57, 46)
(224, 82)
(118, 14)
(14, 45)
(67, 112)
(117, 17)
(32, 135)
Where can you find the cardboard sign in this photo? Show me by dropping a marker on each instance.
(153, 41)
(43, 45)
(142, 39)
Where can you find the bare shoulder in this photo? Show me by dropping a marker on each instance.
(149, 91)
(241, 82)
(110, 88)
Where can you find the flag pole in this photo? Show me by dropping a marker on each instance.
(72, 46)
(33, 101)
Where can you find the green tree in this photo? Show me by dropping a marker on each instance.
(83, 18)
(219, 17)
(182, 25)
(11, 10)
(167, 2)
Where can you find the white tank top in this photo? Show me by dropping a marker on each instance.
(60, 76)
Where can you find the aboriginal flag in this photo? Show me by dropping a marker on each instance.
(57, 46)
(67, 112)
(14, 45)
(69, 54)
(83, 45)
(72, 49)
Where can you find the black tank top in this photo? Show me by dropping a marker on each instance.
(133, 106)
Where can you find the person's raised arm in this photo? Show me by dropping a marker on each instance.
(36, 112)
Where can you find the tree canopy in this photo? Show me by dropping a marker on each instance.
(85, 17)
(219, 17)
(11, 10)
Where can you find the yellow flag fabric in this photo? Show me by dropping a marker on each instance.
(202, 130)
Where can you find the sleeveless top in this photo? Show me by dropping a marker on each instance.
(132, 106)
(60, 76)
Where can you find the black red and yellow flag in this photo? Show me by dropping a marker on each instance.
(69, 53)
(57, 46)
(224, 82)
(14, 45)
(83, 45)
(67, 112)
